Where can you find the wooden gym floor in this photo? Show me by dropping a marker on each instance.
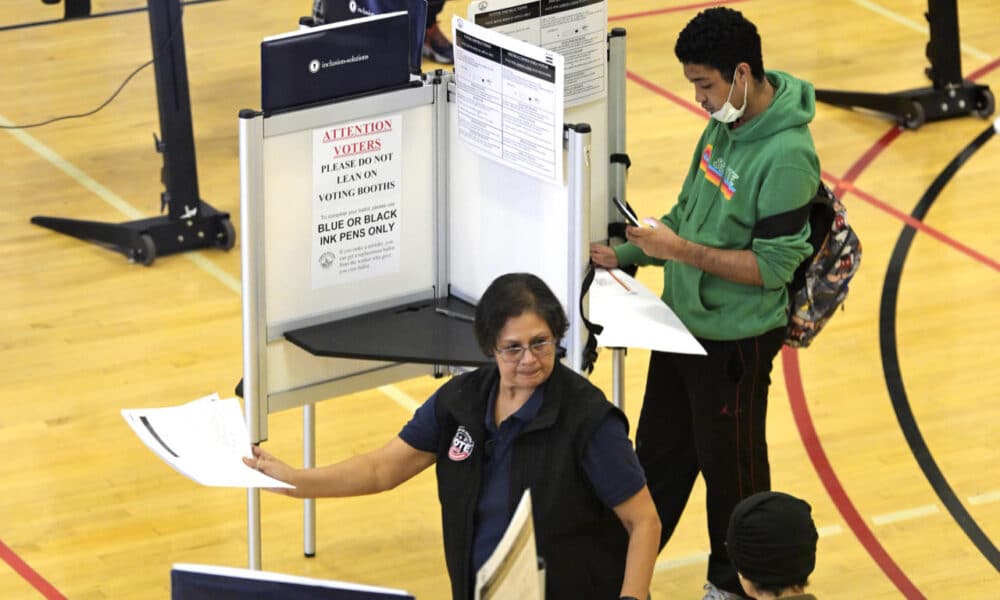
(888, 425)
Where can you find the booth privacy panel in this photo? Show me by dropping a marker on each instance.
(288, 224)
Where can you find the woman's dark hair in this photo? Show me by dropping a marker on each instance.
(512, 295)
(721, 38)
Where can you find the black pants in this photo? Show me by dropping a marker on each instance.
(433, 10)
(706, 414)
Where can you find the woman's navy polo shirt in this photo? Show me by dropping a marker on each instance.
(609, 462)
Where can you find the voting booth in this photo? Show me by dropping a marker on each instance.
(371, 224)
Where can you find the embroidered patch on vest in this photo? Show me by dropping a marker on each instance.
(461, 445)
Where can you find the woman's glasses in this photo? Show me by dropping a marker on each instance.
(514, 354)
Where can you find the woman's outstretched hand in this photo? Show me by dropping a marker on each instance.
(267, 464)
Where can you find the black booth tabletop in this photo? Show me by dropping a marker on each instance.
(418, 332)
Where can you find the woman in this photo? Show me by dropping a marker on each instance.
(526, 421)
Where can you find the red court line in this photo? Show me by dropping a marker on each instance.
(848, 186)
(814, 448)
(663, 11)
(649, 85)
(793, 378)
(869, 156)
(983, 70)
(21, 568)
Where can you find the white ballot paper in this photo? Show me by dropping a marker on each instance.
(204, 440)
(634, 317)
(509, 96)
(511, 572)
(577, 30)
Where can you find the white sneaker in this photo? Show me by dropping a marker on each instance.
(714, 593)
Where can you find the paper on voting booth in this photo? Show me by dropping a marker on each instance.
(511, 572)
(634, 317)
(204, 440)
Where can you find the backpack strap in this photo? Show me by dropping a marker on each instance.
(593, 329)
(786, 223)
(818, 212)
(792, 221)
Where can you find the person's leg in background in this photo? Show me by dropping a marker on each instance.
(437, 47)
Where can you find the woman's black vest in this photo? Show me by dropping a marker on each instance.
(581, 541)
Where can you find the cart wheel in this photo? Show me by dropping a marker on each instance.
(226, 238)
(147, 253)
(985, 104)
(915, 117)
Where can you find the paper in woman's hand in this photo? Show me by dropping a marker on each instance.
(204, 440)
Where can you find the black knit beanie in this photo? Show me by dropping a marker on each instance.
(772, 539)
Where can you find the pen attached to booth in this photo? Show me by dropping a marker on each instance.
(454, 315)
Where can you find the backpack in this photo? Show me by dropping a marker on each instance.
(821, 282)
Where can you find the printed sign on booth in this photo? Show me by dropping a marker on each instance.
(356, 200)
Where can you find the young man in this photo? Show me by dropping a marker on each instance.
(755, 159)
(772, 543)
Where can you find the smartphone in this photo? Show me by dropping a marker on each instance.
(626, 212)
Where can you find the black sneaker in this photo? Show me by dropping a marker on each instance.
(437, 47)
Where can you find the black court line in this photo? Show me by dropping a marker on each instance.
(111, 13)
(890, 359)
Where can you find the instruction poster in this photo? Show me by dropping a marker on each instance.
(509, 99)
(356, 200)
(576, 29)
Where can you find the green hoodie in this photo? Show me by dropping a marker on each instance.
(737, 177)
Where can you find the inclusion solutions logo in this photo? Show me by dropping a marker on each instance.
(316, 65)
(354, 8)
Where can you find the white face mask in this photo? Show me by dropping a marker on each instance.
(728, 114)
